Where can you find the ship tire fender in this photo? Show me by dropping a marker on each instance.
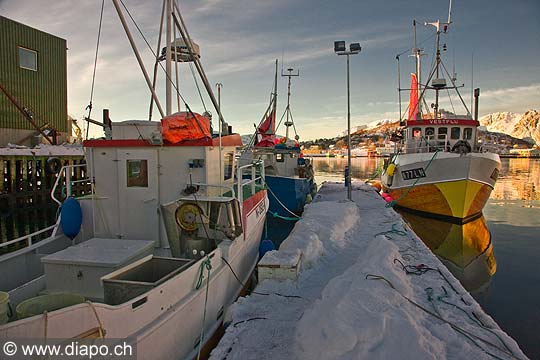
(54, 165)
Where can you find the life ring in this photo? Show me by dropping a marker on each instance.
(187, 215)
(462, 147)
(54, 165)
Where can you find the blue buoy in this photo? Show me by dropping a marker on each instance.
(266, 245)
(71, 217)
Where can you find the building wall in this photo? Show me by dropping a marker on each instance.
(43, 92)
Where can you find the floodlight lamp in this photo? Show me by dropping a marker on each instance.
(339, 46)
(355, 47)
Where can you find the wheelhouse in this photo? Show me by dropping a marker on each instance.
(439, 134)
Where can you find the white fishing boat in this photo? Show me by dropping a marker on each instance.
(439, 169)
(166, 240)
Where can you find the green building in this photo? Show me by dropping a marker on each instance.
(33, 71)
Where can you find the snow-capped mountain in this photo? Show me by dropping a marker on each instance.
(521, 126)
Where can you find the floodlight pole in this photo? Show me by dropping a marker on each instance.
(348, 177)
(349, 192)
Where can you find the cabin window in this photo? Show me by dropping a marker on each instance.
(228, 166)
(442, 133)
(467, 133)
(137, 173)
(430, 131)
(416, 132)
(455, 133)
(27, 59)
(280, 158)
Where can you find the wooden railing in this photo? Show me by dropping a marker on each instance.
(26, 206)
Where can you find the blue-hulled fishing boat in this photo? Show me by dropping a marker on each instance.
(289, 177)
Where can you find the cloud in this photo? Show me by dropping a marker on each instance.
(513, 91)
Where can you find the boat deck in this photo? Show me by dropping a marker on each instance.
(339, 288)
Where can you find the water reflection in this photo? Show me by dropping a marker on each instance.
(519, 179)
(332, 168)
(465, 249)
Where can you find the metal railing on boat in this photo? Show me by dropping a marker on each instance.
(252, 181)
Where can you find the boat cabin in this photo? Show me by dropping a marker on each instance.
(440, 134)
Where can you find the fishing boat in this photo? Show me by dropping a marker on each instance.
(439, 169)
(288, 175)
(165, 242)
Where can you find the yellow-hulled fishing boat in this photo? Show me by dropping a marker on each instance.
(439, 169)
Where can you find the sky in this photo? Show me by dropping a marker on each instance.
(497, 41)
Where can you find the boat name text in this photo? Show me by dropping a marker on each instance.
(413, 174)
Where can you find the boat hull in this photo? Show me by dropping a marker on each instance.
(290, 191)
(443, 185)
(165, 322)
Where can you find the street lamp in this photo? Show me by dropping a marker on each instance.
(341, 49)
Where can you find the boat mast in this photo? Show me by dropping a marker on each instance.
(289, 123)
(138, 56)
(274, 109)
(437, 63)
(438, 83)
(168, 59)
(179, 21)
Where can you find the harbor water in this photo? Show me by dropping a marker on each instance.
(497, 264)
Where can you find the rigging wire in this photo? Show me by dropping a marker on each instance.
(153, 53)
(89, 107)
(197, 85)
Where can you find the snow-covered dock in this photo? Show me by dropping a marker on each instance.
(366, 287)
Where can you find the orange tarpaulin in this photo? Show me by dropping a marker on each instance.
(184, 126)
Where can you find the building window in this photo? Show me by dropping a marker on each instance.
(137, 173)
(467, 133)
(228, 166)
(455, 133)
(27, 59)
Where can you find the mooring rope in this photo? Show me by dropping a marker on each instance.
(435, 315)
(207, 263)
(280, 203)
(394, 202)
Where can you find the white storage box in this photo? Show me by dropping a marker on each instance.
(79, 268)
(136, 129)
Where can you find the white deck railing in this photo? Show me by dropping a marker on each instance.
(28, 238)
(252, 181)
(69, 183)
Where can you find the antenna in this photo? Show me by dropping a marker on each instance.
(472, 78)
(288, 123)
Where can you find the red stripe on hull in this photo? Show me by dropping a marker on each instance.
(229, 140)
(249, 205)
